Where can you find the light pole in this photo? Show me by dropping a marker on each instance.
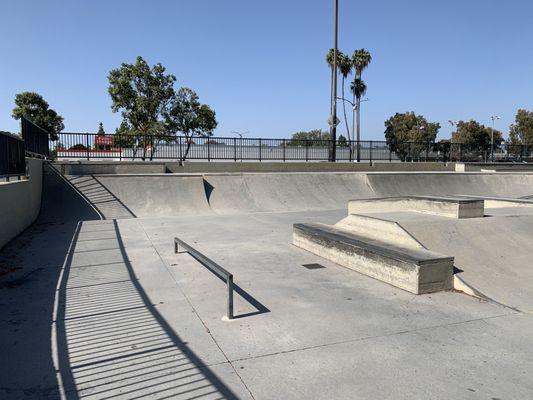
(333, 118)
(240, 135)
(493, 118)
(454, 124)
(358, 143)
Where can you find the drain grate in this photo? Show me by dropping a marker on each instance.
(313, 266)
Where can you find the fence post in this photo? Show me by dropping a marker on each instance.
(208, 150)
(87, 142)
(260, 150)
(306, 150)
(427, 151)
(351, 148)
(370, 152)
(390, 153)
(283, 150)
(179, 145)
(235, 149)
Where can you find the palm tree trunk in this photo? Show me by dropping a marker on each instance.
(353, 126)
(358, 114)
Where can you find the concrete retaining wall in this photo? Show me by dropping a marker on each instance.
(20, 202)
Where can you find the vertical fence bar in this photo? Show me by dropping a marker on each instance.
(87, 144)
(284, 150)
(370, 151)
(235, 149)
(260, 145)
(306, 150)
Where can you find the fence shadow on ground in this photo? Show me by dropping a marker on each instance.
(112, 341)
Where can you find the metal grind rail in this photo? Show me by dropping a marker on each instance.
(213, 266)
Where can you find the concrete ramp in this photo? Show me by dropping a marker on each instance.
(451, 184)
(238, 193)
(493, 253)
(158, 194)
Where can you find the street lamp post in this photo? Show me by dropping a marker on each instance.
(454, 124)
(358, 143)
(493, 118)
(333, 119)
(240, 135)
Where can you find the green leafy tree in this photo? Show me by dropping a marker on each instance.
(342, 142)
(361, 60)
(521, 132)
(190, 118)
(34, 107)
(472, 133)
(144, 96)
(126, 138)
(315, 137)
(408, 134)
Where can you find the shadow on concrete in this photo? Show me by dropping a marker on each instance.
(112, 342)
(107, 204)
(31, 265)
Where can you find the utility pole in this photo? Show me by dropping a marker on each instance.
(493, 117)
(333, 118)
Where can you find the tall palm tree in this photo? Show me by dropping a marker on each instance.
(345, 69)
(358, 88)
(361, 59)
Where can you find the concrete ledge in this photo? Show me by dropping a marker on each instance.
(103, 167)
(454, 207)
(415, 270)
(85, 167)
(502, 202)
(494, 167)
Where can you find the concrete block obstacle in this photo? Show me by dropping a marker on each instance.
(503, 202)
(453, 207)
(416, 270)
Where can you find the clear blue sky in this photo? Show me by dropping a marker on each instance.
(261, 64)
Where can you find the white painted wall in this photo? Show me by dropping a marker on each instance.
(20, 202)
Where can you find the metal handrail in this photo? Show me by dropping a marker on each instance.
(213, 266)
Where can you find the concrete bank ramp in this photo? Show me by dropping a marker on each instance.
(158, 195)
(238, 193)
(451, 184)
(494, 253)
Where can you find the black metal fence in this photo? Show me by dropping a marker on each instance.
(12, 158)
(35, 138)
(132, 147)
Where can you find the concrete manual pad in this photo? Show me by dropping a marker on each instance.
(453, 207)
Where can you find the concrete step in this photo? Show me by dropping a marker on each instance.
(415, 270)
(453, 207)
(374, 228)
(503, 202)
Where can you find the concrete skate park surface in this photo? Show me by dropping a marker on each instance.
(131, 319)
